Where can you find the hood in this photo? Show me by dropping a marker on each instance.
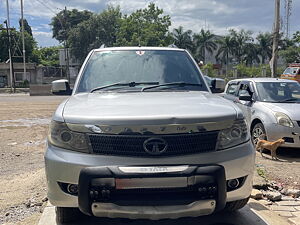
(148, 108)
(291, 109)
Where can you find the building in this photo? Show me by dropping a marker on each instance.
(20, 77)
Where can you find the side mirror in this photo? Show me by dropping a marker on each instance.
(245, 97)
(61, 87)
(217, 85)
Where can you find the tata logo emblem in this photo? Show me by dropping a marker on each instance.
(155, 146)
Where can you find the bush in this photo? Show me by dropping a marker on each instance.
(208, 69)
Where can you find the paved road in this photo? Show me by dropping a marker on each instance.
(252, 214)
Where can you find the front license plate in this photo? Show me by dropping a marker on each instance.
(153, 169)
(144, 183)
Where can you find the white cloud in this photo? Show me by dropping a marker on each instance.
(217, 15)
(44, 38)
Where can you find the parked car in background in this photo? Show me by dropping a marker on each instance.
(292, 72)
(143, 137)
(271, 106)
(211, 83)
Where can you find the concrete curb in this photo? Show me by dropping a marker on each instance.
(253, 213)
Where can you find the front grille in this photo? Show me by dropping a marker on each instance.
(178, 144)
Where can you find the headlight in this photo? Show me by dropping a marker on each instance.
(235, 135)
(61, 136)
(283, 119)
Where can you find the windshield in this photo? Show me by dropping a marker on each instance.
(292, 71)
(278, 91)
(127, 66)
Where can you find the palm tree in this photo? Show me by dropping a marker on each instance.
(250, 54)
(264, 46)
(240, 40)
(204, 41)
(226, 48)
(183, 39)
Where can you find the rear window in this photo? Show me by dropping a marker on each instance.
(108, 67)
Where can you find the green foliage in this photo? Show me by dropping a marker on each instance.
(48, 56)
(240, 39)
(296, 37)
(182, 39)
(145, 27)
(291, 54)
(65, 20)
(209, 70)
(203, 41)
(261, 172)
(27, 28)
(16, 47)
(264, 46)
(99, 29)
(226, 46)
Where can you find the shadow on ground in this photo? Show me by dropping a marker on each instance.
(243, 217)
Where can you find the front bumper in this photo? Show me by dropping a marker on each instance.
(111, 192)
(290, 134)
(65, 166)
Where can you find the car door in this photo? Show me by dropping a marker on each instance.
(245, 88)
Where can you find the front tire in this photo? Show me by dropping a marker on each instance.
(236, 205)
(258, 132)
(66, 215)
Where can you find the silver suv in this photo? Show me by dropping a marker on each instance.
(143, 137)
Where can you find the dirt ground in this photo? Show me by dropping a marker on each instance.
(23, 129)
(285, 171)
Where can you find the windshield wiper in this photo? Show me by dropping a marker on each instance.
(181, 84)
(289, 100)
(129, 84)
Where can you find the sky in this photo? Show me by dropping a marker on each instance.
(216, 15)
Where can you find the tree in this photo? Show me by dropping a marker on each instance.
(27, 28)
(182, 39)
(92, 33)
(291, 54)
(48, 56)
(16, 46)
(240, 39)
(226, 47)
(264, 46)
(65, 20)
(296, 37)
(250, 54)
(146, 27)
(204, 41)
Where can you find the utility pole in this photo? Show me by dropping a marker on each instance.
(11, 67)
(66, 47)
(273, 61)
(22, 27)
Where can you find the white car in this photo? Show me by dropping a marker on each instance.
(271, 106)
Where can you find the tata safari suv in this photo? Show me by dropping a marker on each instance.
(143, 137)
